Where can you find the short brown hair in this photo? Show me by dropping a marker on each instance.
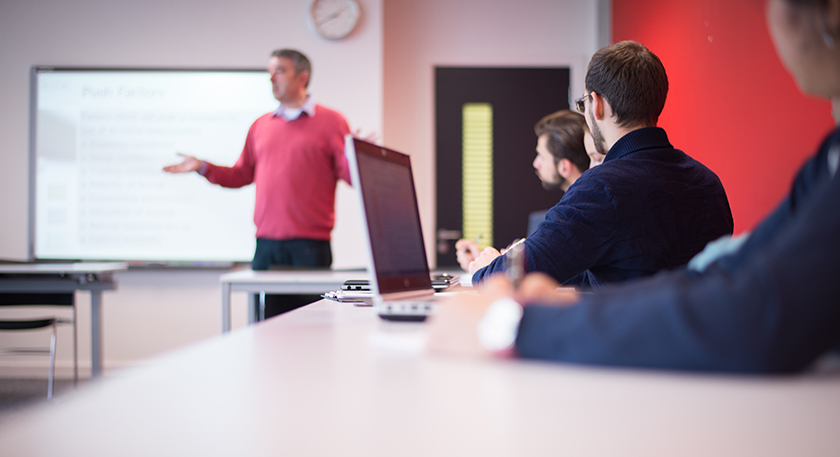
(300, 61)
(565, 137)
(632, 80)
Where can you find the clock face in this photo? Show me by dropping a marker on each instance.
(334, 19)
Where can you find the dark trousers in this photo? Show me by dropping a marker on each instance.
(300, 253)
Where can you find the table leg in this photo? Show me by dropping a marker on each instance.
(75, 345)
(96, 333)
(252, 309)
(225, 307)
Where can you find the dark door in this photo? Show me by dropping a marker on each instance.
(497, 108)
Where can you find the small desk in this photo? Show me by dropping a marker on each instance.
(319, 381)
(35, 278)
(280, 282)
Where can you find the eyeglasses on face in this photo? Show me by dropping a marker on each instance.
(579, 103)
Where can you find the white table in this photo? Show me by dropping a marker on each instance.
(280, 282)
(312, 382)
(34, 278)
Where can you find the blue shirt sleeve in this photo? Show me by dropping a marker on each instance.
(577, 232)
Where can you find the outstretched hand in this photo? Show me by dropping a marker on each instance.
(189, 164)
(371, 137)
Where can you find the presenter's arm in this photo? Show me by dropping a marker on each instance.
(239, 175)
(189, 164)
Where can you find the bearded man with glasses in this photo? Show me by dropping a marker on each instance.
(647, 207)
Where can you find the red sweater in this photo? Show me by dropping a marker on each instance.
(295, 166)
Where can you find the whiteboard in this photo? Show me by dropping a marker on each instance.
(99, 140)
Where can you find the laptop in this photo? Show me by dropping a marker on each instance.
(400, 281)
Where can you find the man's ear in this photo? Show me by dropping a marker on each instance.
(564, 167)
(600, 108)
(304, 75)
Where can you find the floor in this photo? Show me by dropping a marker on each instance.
(16, 394)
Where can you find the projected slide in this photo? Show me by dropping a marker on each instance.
(101, 139)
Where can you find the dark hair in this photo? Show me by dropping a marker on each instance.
(565, 137)
(632, 80)
(299, 60)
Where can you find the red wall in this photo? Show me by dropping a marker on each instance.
(731, 103)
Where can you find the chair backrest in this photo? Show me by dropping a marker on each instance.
(534, 220)
(27, 324)
(37, 299)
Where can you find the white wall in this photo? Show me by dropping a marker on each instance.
(155, 310)
(382, 79)
(421, 35)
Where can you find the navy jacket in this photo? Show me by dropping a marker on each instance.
(773, 306)
(647, 208)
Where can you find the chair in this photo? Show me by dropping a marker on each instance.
(41, 299)
(534, 220)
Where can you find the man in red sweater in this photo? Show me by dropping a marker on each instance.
(295, 157)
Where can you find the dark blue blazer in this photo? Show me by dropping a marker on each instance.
(648, 207)
(771, 307)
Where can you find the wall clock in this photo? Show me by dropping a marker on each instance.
(334, 19)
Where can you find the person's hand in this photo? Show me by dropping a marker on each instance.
(487, 255)
(543, 289)
(453, 329)
(189, 164)
(466, 251)
(371, 137)
(534, 288)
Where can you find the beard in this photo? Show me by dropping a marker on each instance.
(557, 185)
(597, 137)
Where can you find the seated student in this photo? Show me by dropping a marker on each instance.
(771, 306)
(561, 159)
(647, 207)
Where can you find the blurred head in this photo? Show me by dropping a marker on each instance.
(633, 82)
(561, 156)
(290, 72)
(806, 34)
(595, 157)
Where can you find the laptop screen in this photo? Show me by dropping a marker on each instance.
(393, 219)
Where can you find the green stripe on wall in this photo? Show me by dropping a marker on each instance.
(477, 169)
